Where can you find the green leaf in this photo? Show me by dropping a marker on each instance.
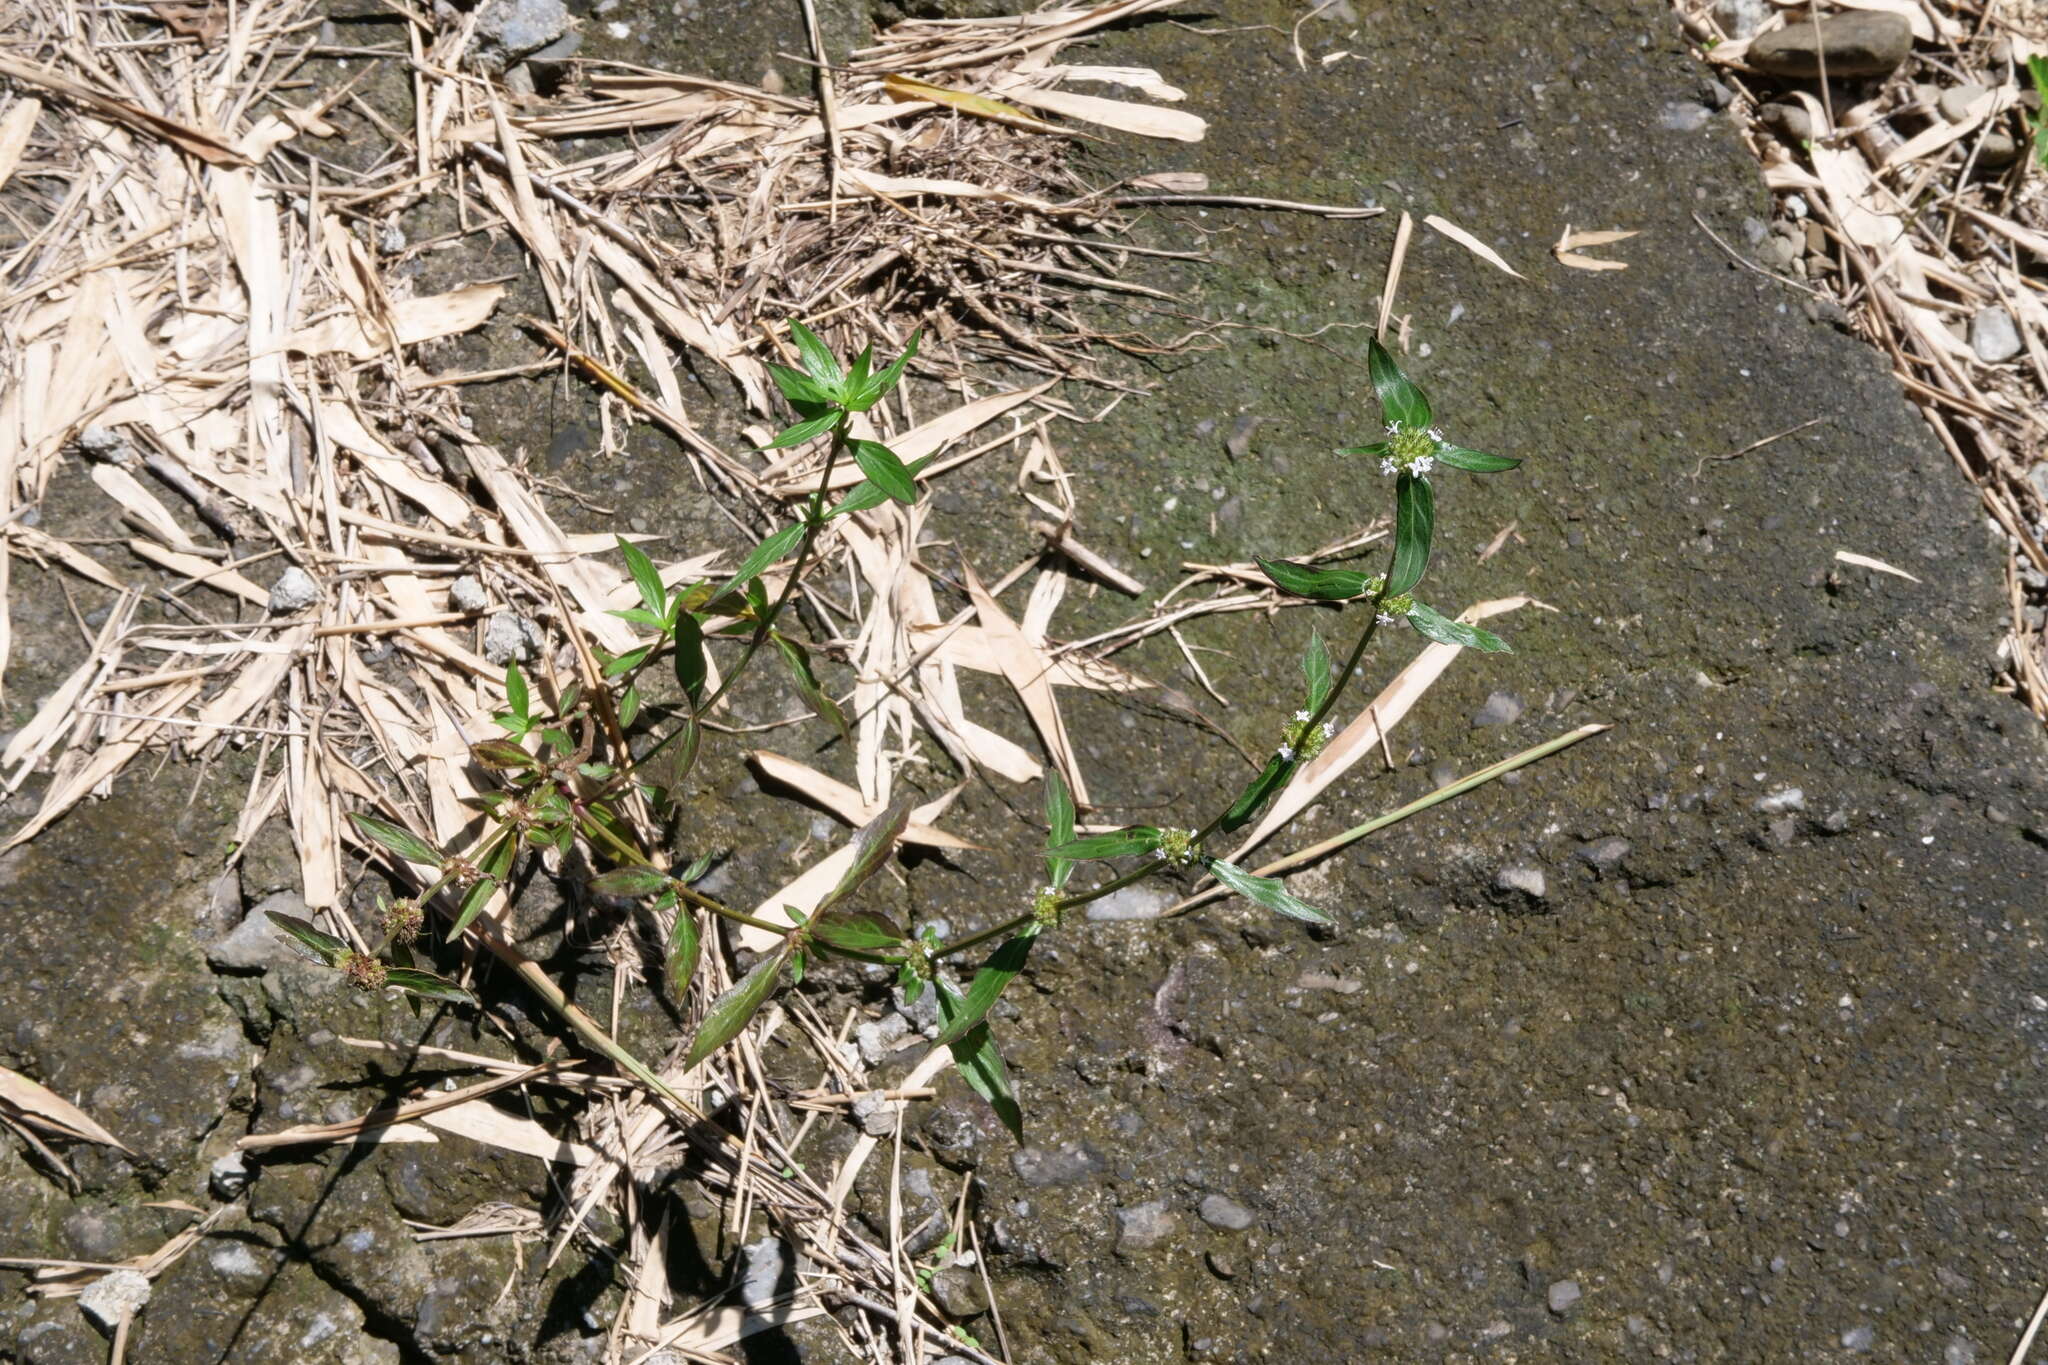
(1315, 666)
(1059, 827)
(817, 356)
(885, 471)
(630, 881)
(799, 660)
(1118, 844)
(625, 663)
(1414, 524)
(1000, 969)
(805, 430)
(737, 1004)
(798, 387)
(1305, 580)
(871, 848)
(647, 578)
(496, 864)
(685, 946)
(1271, 778)
(403, 842)
(867, 494)
(1444, 630)
(516, 696)
(501, 756)
(1267, 891)
(629, 707)
(1378, 450)
(980, 1065)
(324, 948)
(859, 931)
(1473, 461)
(762, 555)
(427, 985)
(1400, 401)
(693, 667)
(877, 388)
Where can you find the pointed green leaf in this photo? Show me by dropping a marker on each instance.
(799, 388)
(739, 1002)
(685, 946)
(877, 388)
(501, 756)
(817, 356)
(496, 864)
(647, 578)
(1000, 969)
(1401, 402)
(1473, 461)
(427, 985)
(693, 667)
(1378, 450)
(871, 848)
(1118, 844)
(1267, 891)
(630, 881)
(805, 430)
(403, 842)
(1315, 666)
(1444, 630)
(980, 1065)
(323, 947)
(885, 471)
(1059, 827)
(516, 696)
(1271, 778)
(760, 557)
(629, 707)
(867, 494)
(1306, 580)
(799, 660)
(1414, 524)
(859, 931)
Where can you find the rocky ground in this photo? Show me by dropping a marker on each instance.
(1719, 1037)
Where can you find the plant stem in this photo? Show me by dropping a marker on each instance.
(627, 853)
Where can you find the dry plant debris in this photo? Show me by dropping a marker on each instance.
(1913, 200)
(196, 315)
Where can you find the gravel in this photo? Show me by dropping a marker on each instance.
(507, 30)
(1133, 902)
(467, 593)
(1782, 801)
(1502, 708)
(1223, 1213)
(1563, 1296)
(112, 1299)
(256, 945)
(764, 1265)
(1861, 1337)
(510, 637)
(1527, 881)
(1994, 336)
(294, 590)
(958, 1290)
(1068, 1165)
(1604, 853)
(1144, 1226)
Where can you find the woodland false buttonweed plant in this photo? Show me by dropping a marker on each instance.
(592, 772)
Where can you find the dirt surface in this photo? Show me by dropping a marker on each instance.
(1755, 1077)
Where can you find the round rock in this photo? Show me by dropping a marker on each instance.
(1860, 43)
(1223, 1213)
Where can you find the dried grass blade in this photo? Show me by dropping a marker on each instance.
(1471, 244)
(38, 1104)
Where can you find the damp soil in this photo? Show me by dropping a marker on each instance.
(1755, 1077)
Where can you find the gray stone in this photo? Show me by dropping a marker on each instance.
(958, 1290)
(1959, 1351)
(1994, 336)
(1501, 708)
(1604, 853)
(1860, 43)
(1563, 1296)
(878, 1039)
(1068, 1165)
(1223, 1213)
(1789, 121)
(114, 1298)
(1954, 102)
(230, 1175)
(876, 1113)
(765, 1271)
(1144, 1226)
(1781, 801)
(1528, 881)
(511, 637)
(467, 593)
(1741, 18)
(256, 945)
(1141, 901)
(294, 590)
(507, 30)
(1684, 116)
(105, 445)
(1996, 150)
(1861, 1337)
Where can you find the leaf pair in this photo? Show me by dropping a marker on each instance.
(329, 951)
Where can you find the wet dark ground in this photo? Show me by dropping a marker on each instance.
(1755, 1079)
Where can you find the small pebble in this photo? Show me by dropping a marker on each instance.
(1861, 1337)
(467, 593)
(294, 590)
(114, 1298)
(1223, 1213)
(511, 637)
(1994, 336)
(1502, 708)
(1529, 881)
(1562, 1296)
(1144, 1226)
(1782, 801)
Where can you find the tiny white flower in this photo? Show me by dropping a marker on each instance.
(1286, 753)
(1422, 464)
(1301, 715)
(1393, 430)
(1386, 618)
(1435, 434)
(1389, 466)
(1329, 728)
